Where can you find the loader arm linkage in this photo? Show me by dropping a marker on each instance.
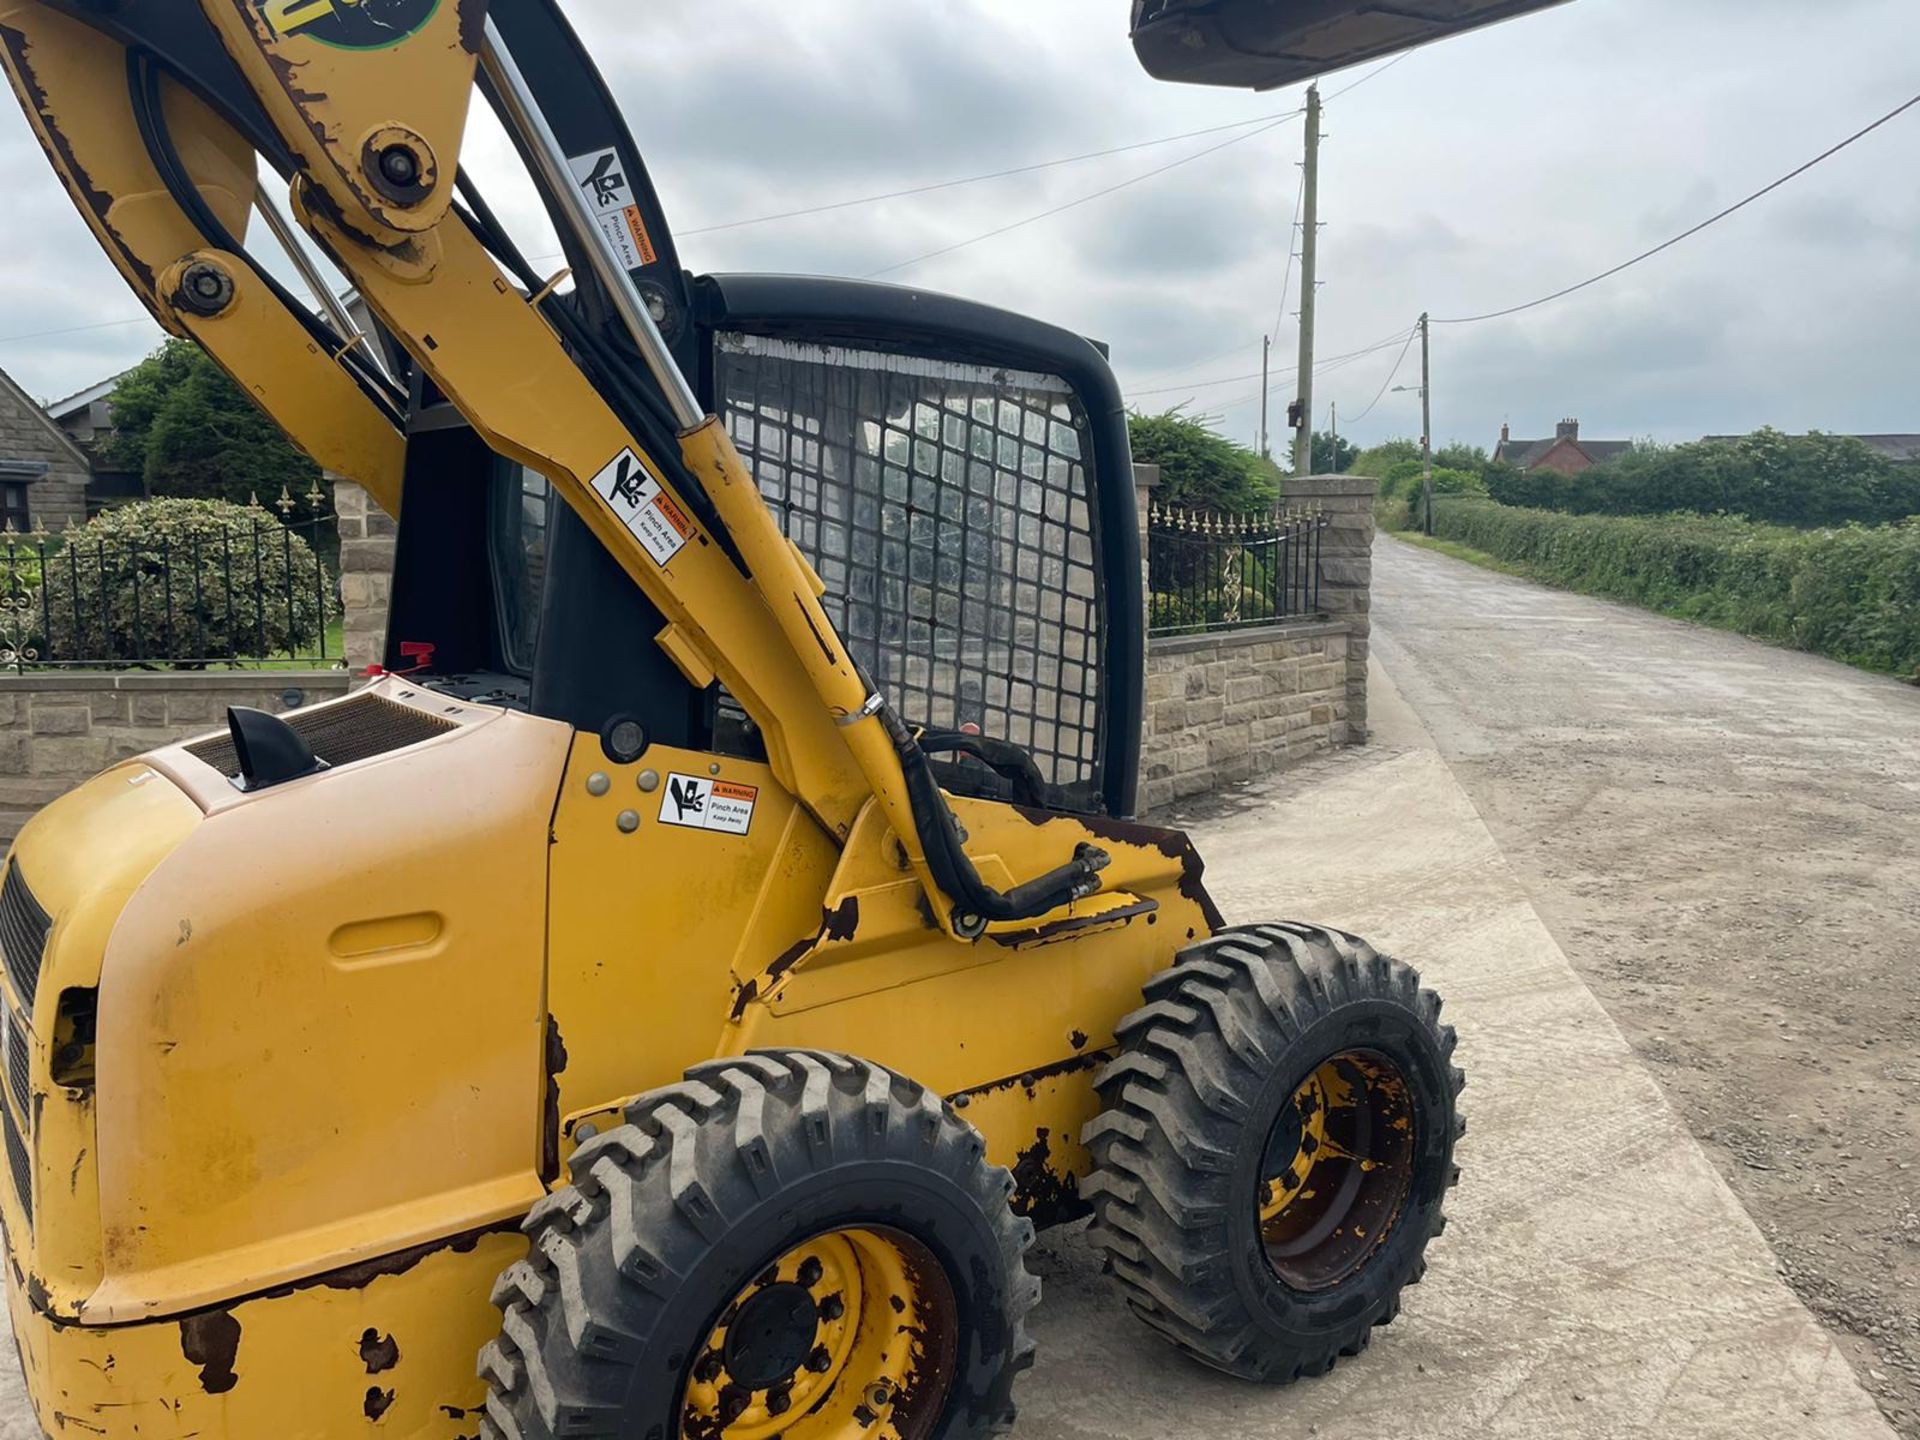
(154, 128)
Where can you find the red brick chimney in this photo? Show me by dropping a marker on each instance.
(1505, 438)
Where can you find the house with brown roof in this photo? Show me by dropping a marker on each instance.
(1566, 452)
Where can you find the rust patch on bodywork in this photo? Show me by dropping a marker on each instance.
(1067, 927)
(1027, 1080)
(839, 923)
(473, 25)
(378, 1352)
(842, 921)
(1174, 844)
(550, 1130)
(360, 1276)
(212, 1341)
(1043, 1195)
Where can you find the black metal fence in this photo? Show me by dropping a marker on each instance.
(174, 585)
(1207, 571)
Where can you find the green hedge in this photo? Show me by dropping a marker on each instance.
(1851, 593)
(1781, 479)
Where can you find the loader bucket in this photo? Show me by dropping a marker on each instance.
(1261, 44)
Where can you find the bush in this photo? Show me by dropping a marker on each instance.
(1200, 469)
(1377, 460)
(1785, 479)
(186, 580)
(1852, 593)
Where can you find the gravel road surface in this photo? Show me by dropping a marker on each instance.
(1725, 840)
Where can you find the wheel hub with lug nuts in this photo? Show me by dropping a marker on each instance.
(850, 1334)
(1337, 1167)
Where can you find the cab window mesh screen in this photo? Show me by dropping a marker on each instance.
(946, 507)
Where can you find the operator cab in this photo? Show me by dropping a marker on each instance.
(958, 476)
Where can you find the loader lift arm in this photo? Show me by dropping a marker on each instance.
(368, 132)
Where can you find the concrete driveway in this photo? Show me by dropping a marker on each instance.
(1598, 1280)
(1725, 839)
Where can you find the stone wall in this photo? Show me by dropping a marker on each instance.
(57, 730)
(367, 539)
(53, 468)
(1233, 706)
(1230, 707)
(1346, 572)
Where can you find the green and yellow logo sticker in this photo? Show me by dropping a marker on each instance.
(349, 24)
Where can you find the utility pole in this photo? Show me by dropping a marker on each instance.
(1426, 426)
(1266, 345)
(1309, 285)
(1333, 429)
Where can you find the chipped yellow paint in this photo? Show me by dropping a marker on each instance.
(315, 1363)
(72, 82)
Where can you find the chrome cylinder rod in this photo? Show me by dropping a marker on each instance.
(555, 177)
(310, 274)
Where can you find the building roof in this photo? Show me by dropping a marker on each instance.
(81, 399)
(33, 407)
(1526, 452)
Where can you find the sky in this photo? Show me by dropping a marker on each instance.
(1471, 175)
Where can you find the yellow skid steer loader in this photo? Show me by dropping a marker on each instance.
(669, 1007)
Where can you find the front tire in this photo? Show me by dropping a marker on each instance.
(1276, 1141)
(789, 1243)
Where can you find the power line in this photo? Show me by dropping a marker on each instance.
(1071, 204)
(1695, 230)
(1286, 279)
(1325, 367)
(73, 329)
(1255, 374)
(1399, 360)
(989, 175)
(1372, 74)
(1019, 169)
(1196, 364)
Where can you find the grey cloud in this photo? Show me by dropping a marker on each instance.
(1473, 175)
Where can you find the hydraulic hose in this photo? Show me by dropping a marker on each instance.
(143, 88)
(976, 902)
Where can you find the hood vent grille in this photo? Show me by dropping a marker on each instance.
(338, 734)
(23, 935)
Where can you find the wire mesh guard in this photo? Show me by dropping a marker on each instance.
(947, 509)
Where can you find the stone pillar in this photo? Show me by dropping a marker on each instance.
(1346, 571)
(367, 535)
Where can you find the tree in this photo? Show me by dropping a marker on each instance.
(189, 432)
(1458, 455)
(1377, 460)
(1199, 468)
(1332, 454)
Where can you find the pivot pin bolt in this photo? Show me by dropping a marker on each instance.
(400, 165)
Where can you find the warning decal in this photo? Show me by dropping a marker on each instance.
(660, 525)
(703, 804)
(603, 180)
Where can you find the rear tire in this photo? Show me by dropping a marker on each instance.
(785, 1236)
(1276, 1141)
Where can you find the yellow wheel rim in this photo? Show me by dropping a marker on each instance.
(849, 1334)
(1336, 1171)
